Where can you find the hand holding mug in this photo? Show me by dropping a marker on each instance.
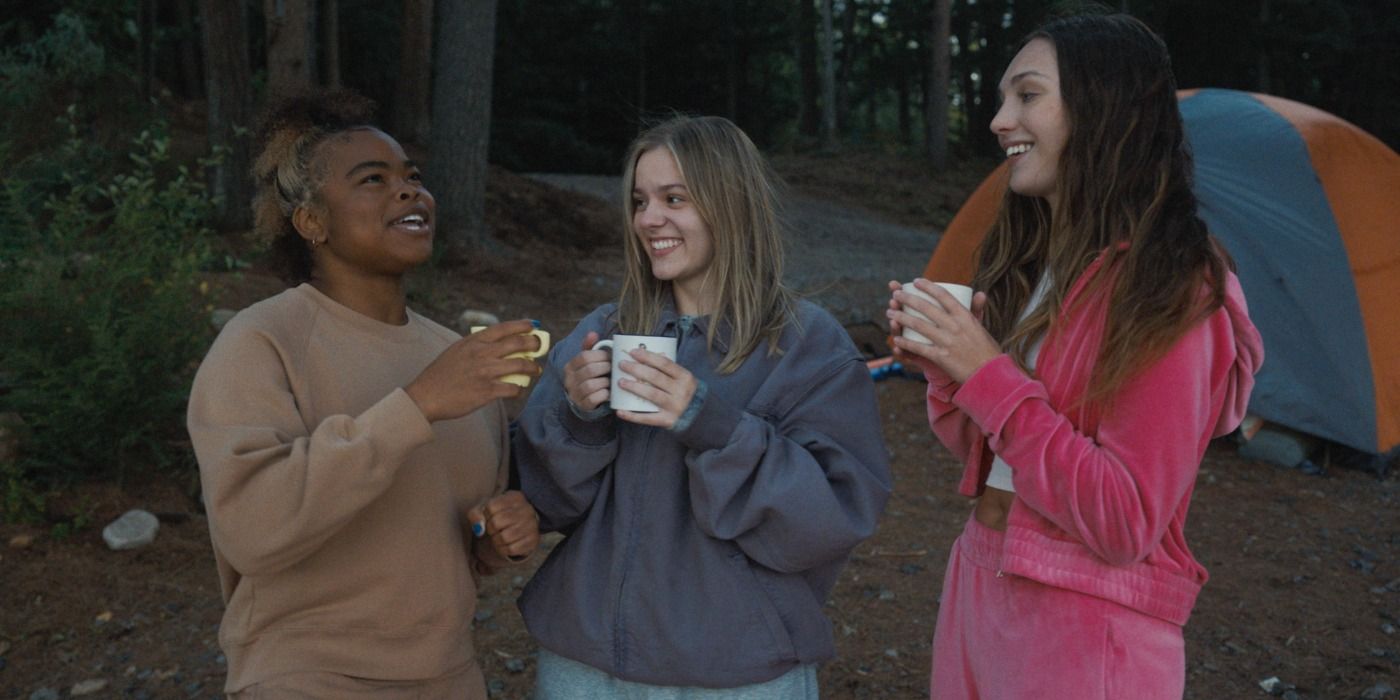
(586, 376)
(523, 380)
(469, 373)
(657, 381)
(953, 338)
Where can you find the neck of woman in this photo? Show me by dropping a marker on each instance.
(380, 298)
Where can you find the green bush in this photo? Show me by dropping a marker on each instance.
(101, 309)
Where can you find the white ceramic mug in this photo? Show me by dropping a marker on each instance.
(622, 346)
(961, 292)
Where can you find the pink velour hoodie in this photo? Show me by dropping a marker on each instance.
(1101, 497)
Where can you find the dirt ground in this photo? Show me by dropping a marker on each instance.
(1305, 570)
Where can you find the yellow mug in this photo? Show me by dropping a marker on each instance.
(523, 380)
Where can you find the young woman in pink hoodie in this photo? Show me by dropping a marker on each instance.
(1107, 343)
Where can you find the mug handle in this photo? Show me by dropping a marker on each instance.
(603, 345)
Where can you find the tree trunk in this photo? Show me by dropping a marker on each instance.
(146, 51)
(226, 78)
(906, 126)
(330, 41)
(460, 137)
(291, 45)
(846, 65)
(189, 51)
(638, 11)
(809, 84)
(1265, 79)
(936, 101)
(828, 62)
(412, 91)
(731, 61)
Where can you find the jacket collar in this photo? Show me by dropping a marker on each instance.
(671, 323)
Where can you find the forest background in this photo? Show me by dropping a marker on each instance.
(125, 145)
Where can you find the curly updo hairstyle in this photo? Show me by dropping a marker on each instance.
(285, 173)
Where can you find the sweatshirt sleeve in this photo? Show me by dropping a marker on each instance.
(275, 488)
(560, 455)
(1117, 490)
(795, 490)
(949, 423)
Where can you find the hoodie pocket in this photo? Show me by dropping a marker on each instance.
(761, 606)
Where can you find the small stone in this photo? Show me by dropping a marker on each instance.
(886, 594)
(44, 694)
(1377, 692)
(892, 653)
(483, 615)
(475, 317)
(193, 687)
(103, 617)
(515, 665)
(1378, 652)
(136, 528)
(1387, 628)
(1290, 695)
(495, 687)
(1272, 685)
(88, 687)
(219, 318)
(21, 541)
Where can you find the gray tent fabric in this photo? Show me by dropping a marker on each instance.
(1259, 195)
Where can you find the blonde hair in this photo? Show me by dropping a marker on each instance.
(735, 193)
(285, 174)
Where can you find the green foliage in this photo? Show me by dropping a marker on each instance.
(99, 307)
(20, 499)
(64, 54)
(68, 527)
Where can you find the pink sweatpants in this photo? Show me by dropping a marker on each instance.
(1008, 637)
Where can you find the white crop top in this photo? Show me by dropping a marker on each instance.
(1000, 478)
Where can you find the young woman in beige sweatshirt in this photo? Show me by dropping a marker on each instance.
(348, 447)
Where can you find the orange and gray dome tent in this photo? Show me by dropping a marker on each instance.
(1308, 205)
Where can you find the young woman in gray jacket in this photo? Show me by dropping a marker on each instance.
(700, 540)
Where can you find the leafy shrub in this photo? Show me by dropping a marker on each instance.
(100, 308)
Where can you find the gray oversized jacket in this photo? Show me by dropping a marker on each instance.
(703, 557)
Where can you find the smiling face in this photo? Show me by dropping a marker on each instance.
(1032, 125)
(371, 216)
(671, 231)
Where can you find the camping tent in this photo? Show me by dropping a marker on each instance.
(1309, 207)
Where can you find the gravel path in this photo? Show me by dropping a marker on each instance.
(839, 257)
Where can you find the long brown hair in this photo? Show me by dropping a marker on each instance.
(1124, 186)
(735, 193)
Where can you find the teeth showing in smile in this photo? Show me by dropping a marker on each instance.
(411, 221)
(1018, 149)
(664, 244)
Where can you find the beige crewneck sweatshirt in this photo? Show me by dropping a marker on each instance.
(337, 512)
